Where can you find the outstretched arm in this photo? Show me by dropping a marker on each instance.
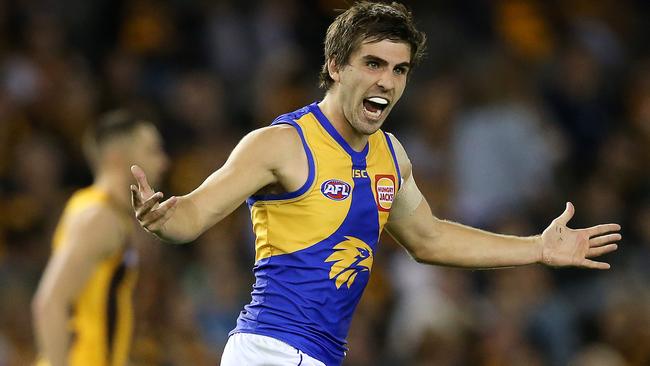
(435, 241)
(260, 159)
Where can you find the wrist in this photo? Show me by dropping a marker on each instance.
(539, 249)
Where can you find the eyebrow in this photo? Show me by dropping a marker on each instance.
(383, 62)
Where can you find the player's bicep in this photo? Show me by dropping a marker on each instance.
(408, 197)
(406, 200)
(411, 222)
(250, 167)
(415, 230)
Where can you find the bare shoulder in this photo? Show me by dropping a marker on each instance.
(99, 229)
(98, 216)
(276, 135)
(273, 144)
(402, 157)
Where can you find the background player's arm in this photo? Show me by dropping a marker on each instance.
(93, 234)
(261, 158)
(435, 241)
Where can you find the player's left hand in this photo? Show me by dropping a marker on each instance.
(562, 246)
(149, 211)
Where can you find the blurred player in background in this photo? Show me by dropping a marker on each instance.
(322, 182)
(82, 309)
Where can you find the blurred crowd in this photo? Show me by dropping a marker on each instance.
(520, 106)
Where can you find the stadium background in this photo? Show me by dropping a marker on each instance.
(519, 106)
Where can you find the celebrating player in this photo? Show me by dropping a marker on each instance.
(322, 183)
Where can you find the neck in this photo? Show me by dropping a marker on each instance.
(115, 183)
(334, 113)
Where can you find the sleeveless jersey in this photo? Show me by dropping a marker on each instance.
(315, 247)
(101, 319)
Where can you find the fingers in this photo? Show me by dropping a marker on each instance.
(136, 202)
(146, 207)
(588, 263)
(605, 239)
(151, 215)
(602, 229)
(598, 251)
(567, 214)
(158, 217)
(141, 178)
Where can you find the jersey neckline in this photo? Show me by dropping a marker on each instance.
(331, 130)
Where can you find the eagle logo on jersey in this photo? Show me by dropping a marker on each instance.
(350, 257)
(335, 189)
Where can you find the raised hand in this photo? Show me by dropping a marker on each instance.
(562, 246)
(151, 214)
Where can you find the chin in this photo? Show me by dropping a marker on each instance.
(368, 129)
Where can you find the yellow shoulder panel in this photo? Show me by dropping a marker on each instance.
(304, 221)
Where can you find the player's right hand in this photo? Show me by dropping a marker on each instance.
(150, 213)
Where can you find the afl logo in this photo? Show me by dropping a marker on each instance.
(335, 189)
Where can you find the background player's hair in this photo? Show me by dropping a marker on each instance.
(108, 127)
(369, 21)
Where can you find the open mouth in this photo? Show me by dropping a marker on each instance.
(374, 106)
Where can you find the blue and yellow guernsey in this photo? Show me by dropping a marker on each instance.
(315, 246)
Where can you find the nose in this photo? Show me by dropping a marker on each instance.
(386, 80)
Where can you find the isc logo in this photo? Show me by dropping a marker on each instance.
(335, 189)
(359, 173)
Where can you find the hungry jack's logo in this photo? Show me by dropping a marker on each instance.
(385, 188)
(350, 257)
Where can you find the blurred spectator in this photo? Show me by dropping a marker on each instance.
(431, 303)
(435, 107)
(598, 355)
(504, 151)
(578, 97)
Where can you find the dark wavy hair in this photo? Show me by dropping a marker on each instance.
(369, 21)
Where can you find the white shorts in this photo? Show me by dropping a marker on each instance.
(245, 349)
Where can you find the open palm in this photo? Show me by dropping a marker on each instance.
(562, 246)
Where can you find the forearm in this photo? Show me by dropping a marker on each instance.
(52, 333)
(457, 245)
(434, 241)
(183, 225)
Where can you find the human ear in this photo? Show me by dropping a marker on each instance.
(333, 70)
